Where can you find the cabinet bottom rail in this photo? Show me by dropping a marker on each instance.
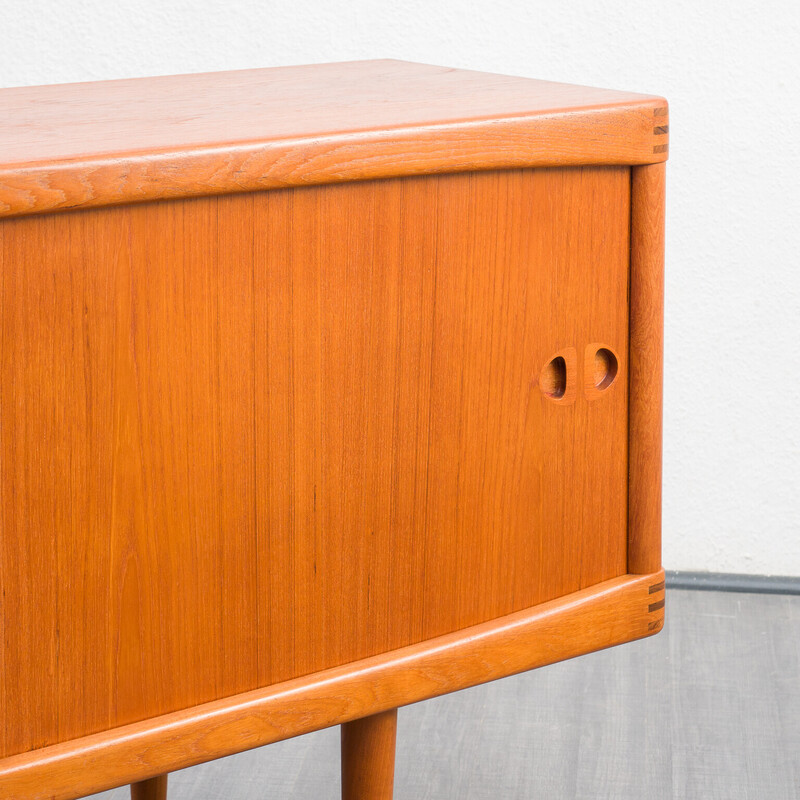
(613, 612)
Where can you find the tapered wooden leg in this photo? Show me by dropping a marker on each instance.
(152, 789)
(368, 757)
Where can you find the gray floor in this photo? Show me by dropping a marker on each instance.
(710, 708)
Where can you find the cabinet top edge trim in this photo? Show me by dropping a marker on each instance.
(105, 143)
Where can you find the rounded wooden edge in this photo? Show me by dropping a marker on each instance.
(620, 135)
(645, 368)
(613, 612)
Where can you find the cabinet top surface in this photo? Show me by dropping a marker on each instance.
(307, 124)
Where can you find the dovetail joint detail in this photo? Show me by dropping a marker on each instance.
(661, 130)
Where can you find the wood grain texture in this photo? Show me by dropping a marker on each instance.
(252, 437)
(589, 620)
(688, 714)
(96, 144)
(646, 367)
(151, 789)
(368, 748)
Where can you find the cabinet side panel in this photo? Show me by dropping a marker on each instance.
(646, 374)
(252, 437)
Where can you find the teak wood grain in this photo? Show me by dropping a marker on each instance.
(368, 747)
(150, 789)
(277, 460)
(646, 367)
(611, 613)
(98, 144)
(251, 437)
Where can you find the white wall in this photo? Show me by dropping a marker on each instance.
(732, 438)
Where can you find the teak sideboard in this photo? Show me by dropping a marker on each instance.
(323, 390)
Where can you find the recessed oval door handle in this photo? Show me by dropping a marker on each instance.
(600, 370)
(558, 378)
(554, 378)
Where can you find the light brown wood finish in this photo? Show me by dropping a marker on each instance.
(271, 461)
(646, 367)
(252, 437)
(98, 144)
(368, 747)
(151, 789)
(614, 612)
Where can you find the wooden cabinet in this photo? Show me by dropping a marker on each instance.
(323, 390)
